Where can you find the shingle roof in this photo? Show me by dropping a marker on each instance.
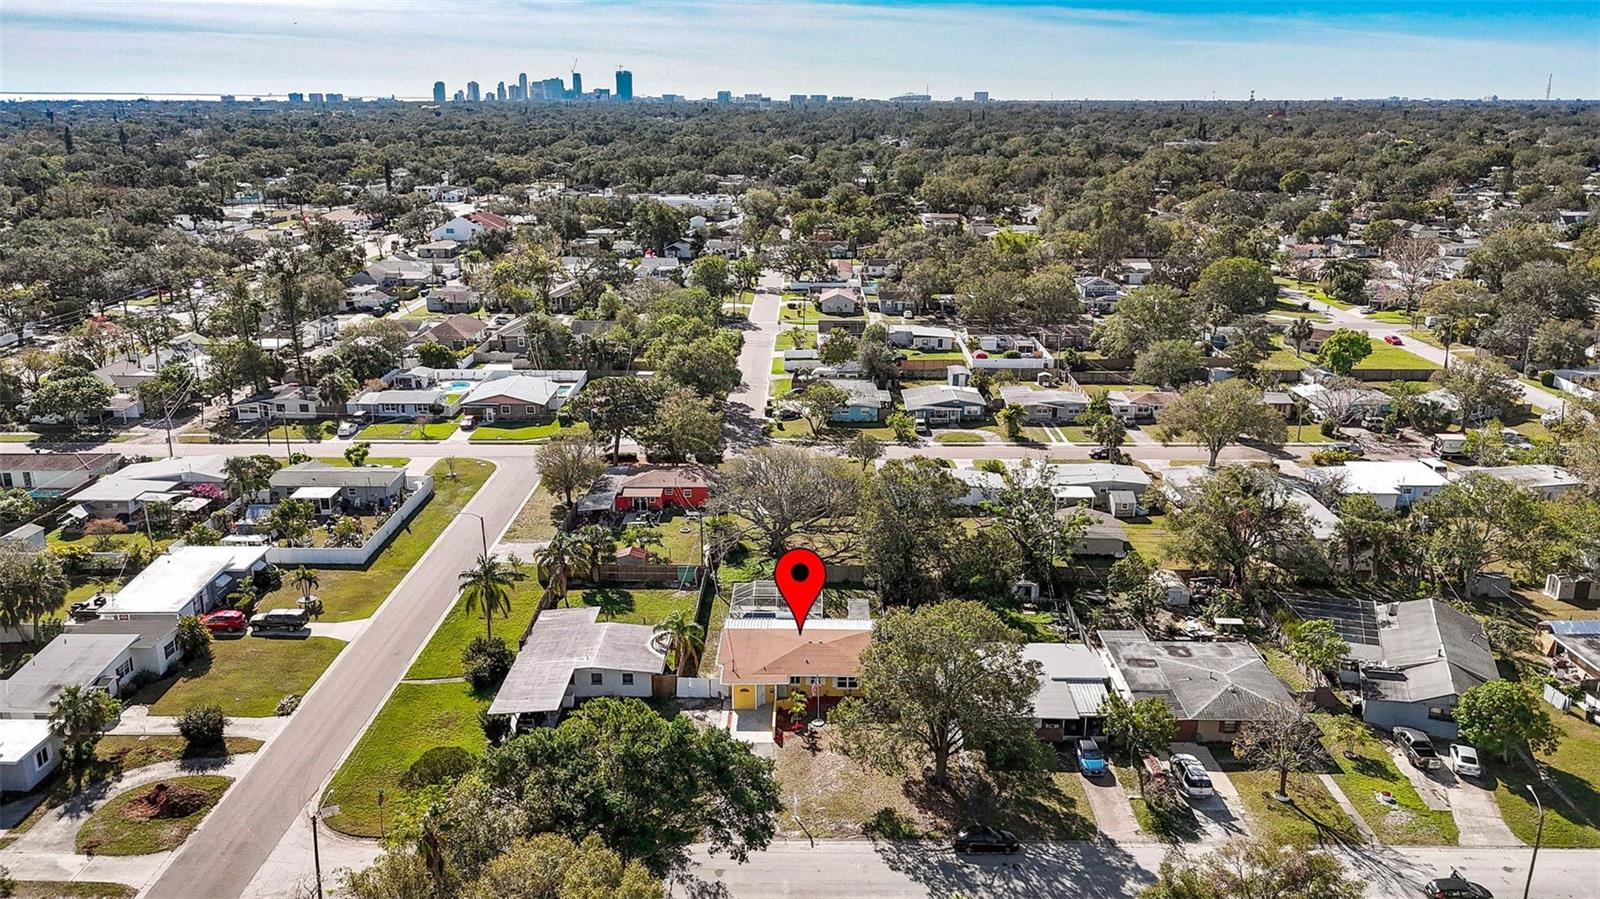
(522, 388)
(939, 395)
(55, 461)
(1433, 649)
(457, 327)
(770, 651)
(1198, 681)
(70, 659)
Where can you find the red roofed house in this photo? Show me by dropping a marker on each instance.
(466, 227)
(686, 487)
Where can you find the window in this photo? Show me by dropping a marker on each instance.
(5, 480)
(506, 411)
(1438, 713)
(124, 669)
(1050, 724)
(170, 650)
(42, 757)
(627, 678)
(796, 680)
(27, 479)
(596, 678)
(1228, 727)
(845, 683)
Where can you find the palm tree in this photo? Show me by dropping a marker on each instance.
(685, 639)
(242, 474)
(555, 563)
(1299, 332)
(79, 714)
(596, 541)
(487, 586)
(306, 579)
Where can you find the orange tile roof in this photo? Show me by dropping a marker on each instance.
(773, 655)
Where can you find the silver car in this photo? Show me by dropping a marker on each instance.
(1190, 776)
(1464, 760)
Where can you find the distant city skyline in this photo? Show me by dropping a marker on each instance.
(1096, 49)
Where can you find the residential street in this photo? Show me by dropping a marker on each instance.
(746, 405)
(844, 869)
(247, 825)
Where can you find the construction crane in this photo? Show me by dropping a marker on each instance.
(1547, 82)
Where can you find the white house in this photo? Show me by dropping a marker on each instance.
(1047, 406)
(939, 404)
(838, 301)
(188, 580)
(570, 655)
(465, 227)
(922, 337)
(289, 402)
(46, 475)
(1393, 485)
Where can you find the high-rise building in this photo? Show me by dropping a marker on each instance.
(438, 92)
(577, 85)
(624, 85)
(522, 82)
(724, 96)
(500, 92)
(335, 98)
(818, 98)
(473, 94)
(514, 93)
(314, 98)
(554, 88)
(297, 98)
(980, 96)
(461, 96)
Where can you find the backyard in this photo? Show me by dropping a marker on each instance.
(441, 657)
(349, 594)
(639, 606)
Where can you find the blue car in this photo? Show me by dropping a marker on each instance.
(1091, 761)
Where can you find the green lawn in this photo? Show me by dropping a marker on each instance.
(1173, 826)
(1283, 358)
(1575, 768)
(342, 462)
(800, 429)
(959, 437)
(416, 718)
(1391, 316)
(351, 593)
(936, 355)
(1035, 626)
(26, 437)
(808, 340)
(642, 606)
(72, 889)
(779, 386)
(441, 657)
(1283, 667)
(803, 315)
(777, 365)
(125, 752)
(1285, 308)
(109, 832)
(490, 433)
(405, 430)
(1312, 818)
(1407, 823)
(1310, 289)
(1387, 356)
(247, 676)
(1148, 536)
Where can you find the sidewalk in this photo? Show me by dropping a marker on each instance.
(137, 721)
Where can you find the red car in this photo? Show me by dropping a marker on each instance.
(225, 621)
(1393, 340)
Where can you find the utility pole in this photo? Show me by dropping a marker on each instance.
(316, 854)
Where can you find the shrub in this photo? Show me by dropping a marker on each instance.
(486, 660)
(202, 535)
(495, 727)
(1332, 457)
(287, 705)
(1547, 378)
(438, 765)
(993, 466)
(268, 580)
(202, 727)
(194, 641)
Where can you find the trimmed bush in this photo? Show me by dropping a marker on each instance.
(202, 727)
(438, 765)
(486, 661)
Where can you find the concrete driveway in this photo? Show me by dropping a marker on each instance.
(1112, 813)
(1477, 814)
(1221, 816)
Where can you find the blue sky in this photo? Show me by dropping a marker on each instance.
(1114, 49)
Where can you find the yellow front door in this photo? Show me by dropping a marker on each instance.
(744, 696)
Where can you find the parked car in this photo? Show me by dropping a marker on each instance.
(348, 428)
(1393, 340)
(1354, 449)
(983, 838)
(469, 421)
(1455, 887)
(281, 620)
(1091, 760)
(1100, 452)
(1464, 760)
(225, 621)
(1190, 776)
(1417, 746)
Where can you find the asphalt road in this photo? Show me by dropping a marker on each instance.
(841, 869)
(747, 404)
(221, 857)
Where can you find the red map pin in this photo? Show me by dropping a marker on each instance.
(800, 574)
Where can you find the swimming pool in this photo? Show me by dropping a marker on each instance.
(457, 386)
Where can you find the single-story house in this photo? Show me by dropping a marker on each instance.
(46, 475)
(659, 267)
(1575, 641)
(1392, 485)
(867, 403)
(797, 360)
(465, 227)
(332, 488)
(839, 302)
(1104, 537)
(893, 301)
(1073, 685)
(1351, 403)
(120, 497)
(1103, 478)
(439, 249)
(454, 300)
(288, 402)
(683, 486)
(879, 267)
(1549, 481)
(759, 659)
(458, 332)
(1211, 688)
(365, 298)
(391, 404)
(1180, 484)
(922, 337)
(982, 486)
(1047, 406)
(403, 273)
(187, 580)
(943, 404)
(29, 751)
(569, 655)
(1428, 653)
(522, 397)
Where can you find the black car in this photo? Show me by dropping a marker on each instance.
(983, 838)
(1455, 887)
(1100, 452)
(1418, 748)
